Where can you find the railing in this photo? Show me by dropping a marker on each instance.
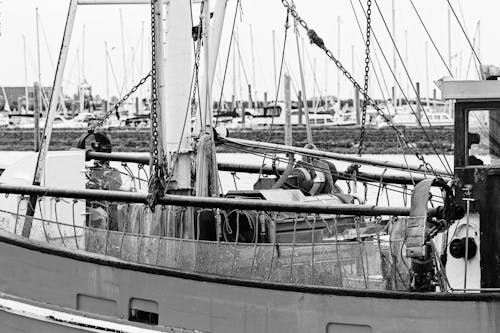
(291, 248)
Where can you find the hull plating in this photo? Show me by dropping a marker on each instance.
(53, 276)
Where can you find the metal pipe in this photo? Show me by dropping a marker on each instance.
(208, 202)
(114, 2)
(248, 168)
(322, 154)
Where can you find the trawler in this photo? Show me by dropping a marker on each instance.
(295, 253)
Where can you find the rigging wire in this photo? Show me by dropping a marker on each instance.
(473, 41)
(445, 164)
(464, 32)
(436, 48)
(376, 57)
(270, 132)
(430, 38)
(318, 41)
(227, 64)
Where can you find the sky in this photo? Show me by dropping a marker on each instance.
(103, 24)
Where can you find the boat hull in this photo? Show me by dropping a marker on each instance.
(40, 273)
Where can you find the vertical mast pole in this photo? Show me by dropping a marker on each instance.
(394, 90)
(208, 86)
(449, 39)
(123, 51)
(38, 112)
(107, 74)
(54, 99)
(338, 56)
(274, 63)
(26, 95)
(479, 46)
(303, 86)
(427, 73)
(253, 67)
(83, 53)
(406, 61)
(211, 43)
(141, 65)
(174, 62)
(288, 110)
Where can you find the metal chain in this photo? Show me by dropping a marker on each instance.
(154, 96)
(157, 174)
(118, 104)
(318, 41)
(367, 77)
(195, 94)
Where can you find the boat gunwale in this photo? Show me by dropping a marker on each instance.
(99, 259)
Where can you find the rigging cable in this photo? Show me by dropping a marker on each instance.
(376, 58)
(318, 41)
(430, 38)
(270, 132)
(465, 33)
(447, 166)
(226, 65)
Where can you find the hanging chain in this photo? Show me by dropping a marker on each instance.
(318, 41)
(195, 95)
(367, 76)
(118, 104)
(154, 94)
(157, 179)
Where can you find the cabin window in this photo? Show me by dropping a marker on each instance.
(320, 121)
(143, 311)
(482, 140)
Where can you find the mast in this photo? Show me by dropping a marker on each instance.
(141, 65)
(123, 51)
(449, 38)
(107, 74)
(54, 99)
(234, 104)
(253, 66)
(174, 45)
(83, 53)
(406, 61)
(38, 112)
(206, 92)
(274, 64)
(26, 95)
(211, 48)
(303, 86)
(394, 61)
(338, 56)
(427, 73)
(479, 45)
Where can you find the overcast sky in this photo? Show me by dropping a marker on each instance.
(102, 24)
